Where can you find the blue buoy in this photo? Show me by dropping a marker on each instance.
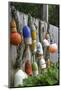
(26, 32)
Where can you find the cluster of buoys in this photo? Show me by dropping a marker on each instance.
(29, 37)
(52, 47)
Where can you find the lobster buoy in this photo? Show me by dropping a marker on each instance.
(47, 35)
(42, 63)
(53, 48)
(45, 43)
(35, 68)
(39, 48)
(28, 68)
(27, 35)
(18, 78)
(12, 24)
(15, 37)
(33, 32)
(34, 46)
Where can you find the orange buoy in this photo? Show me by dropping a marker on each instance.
(53, 48)
(15, 38)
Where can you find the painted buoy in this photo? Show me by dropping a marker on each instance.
(28, 68)
(35, 68)
(39, 48)
(42, 63)
(13, 29)
(33, 32)
(33, 46)
(15, 38)
(12, 23)
(45, 42)
(18, 78)
(53, 48)
(26, 32)
(47, 35)
(13, 26)
(27, 35)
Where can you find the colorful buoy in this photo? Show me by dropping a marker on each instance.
(42, 63)
(28, 68)
(45, 43)
(18, 78)
(33, 32)
(27, 35)
(53, 48)
(15, 37)
(35, 68)
(34, 46)
(39, 48)
(12, 23)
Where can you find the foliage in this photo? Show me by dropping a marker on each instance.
(54, 14)
(51, 77)
(34, 9)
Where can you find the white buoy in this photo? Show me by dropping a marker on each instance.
(45, 42)
(18, 78)
(39, 48)
(42, 63)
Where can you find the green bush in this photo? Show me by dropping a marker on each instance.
(51, 77)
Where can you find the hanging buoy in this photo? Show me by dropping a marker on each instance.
(33, 32)
(48, 63)
(27, 60)
(47, 35)
(34, 46)
(15, 38)
(27, 35)
(45, 43)
(42, 63)
(12, 24)
(13, 29)
(28, 68)
(53, 48)
(39, 48)
(35, 68)
(18, 78)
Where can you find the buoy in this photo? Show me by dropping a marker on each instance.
(42, 63)
(47, 35)
(27, 60)
(39, 48)
(12, 24)
(15, 37)
(27, 35)
(34, 46)
(45, 43)
(18, 78)
(35, 68)
(33, 31)
(28, 68)
(53, 48)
